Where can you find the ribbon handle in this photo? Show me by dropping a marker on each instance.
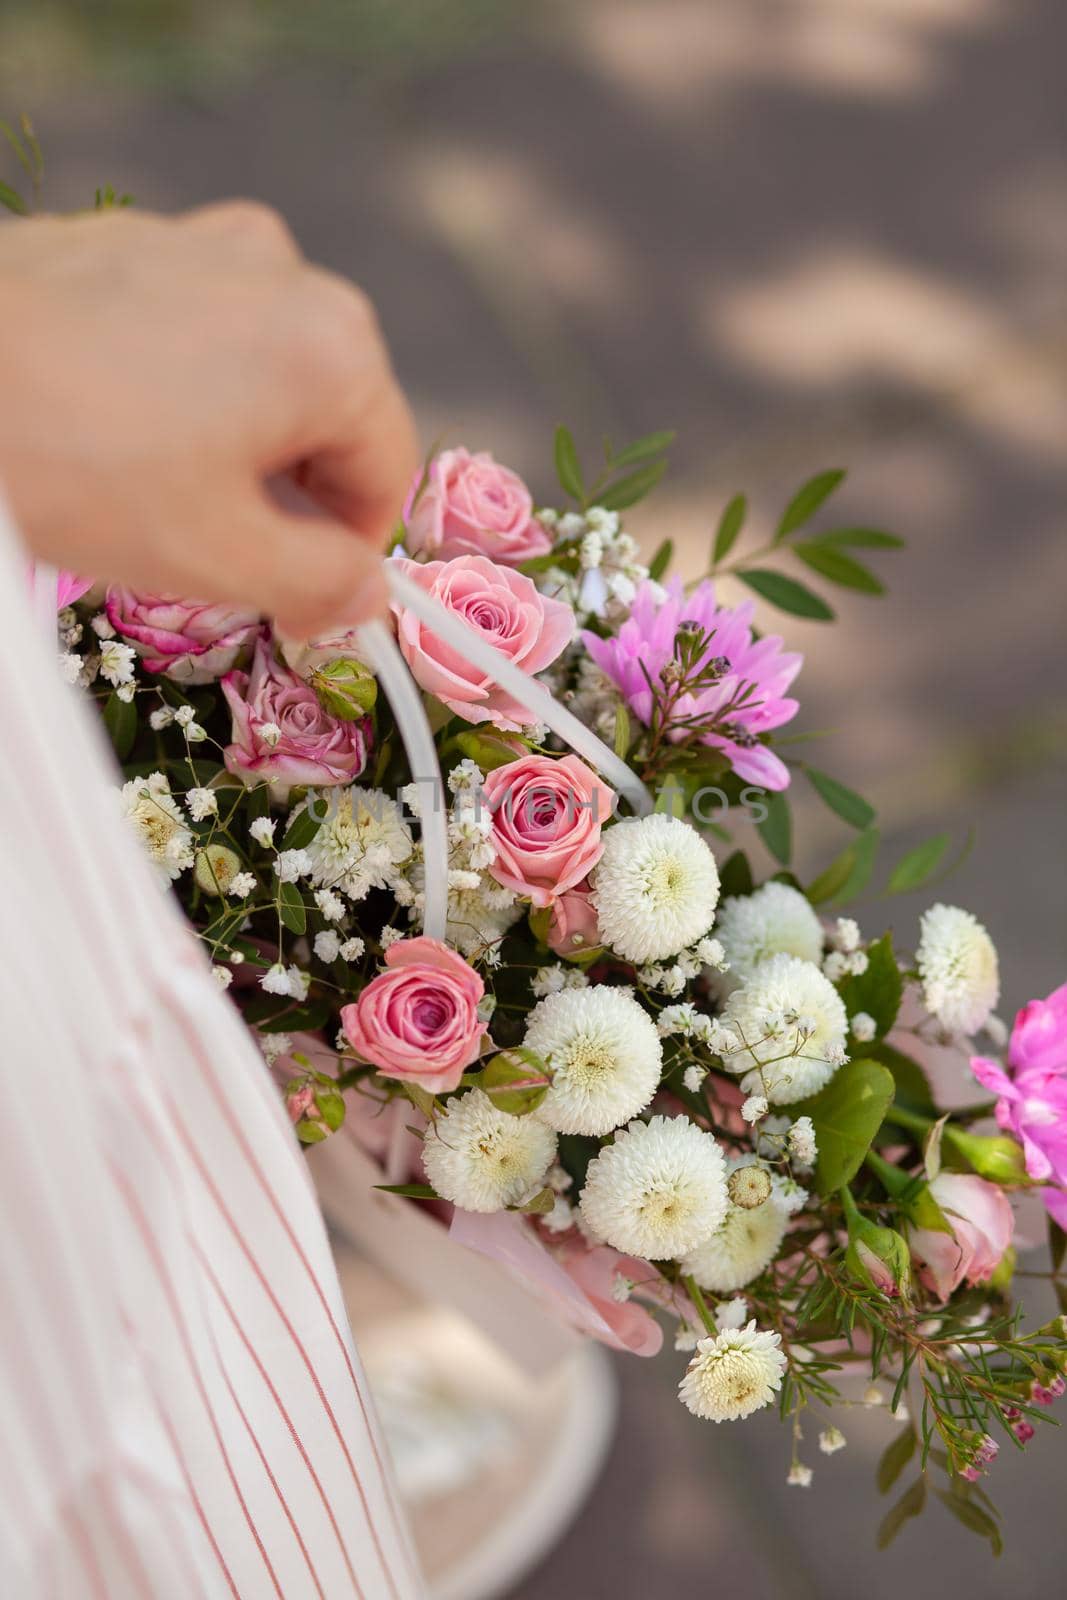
(376, 643)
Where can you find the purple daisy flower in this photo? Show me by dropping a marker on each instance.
(741, 693)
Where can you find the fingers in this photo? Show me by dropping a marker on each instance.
(358, 451)
(307, 572)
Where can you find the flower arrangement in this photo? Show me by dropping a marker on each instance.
(699, 1096)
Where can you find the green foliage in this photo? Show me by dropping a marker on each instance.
(913, 870)
(616, 489)
(848, 805)
(879, 990)
(120, 720)
(832, 563)
(776, 829)
(848, 874)
(730, 524)
(807, 500)
(786, 593)
(291, 908)
(846, 1115)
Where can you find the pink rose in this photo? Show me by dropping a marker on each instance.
(1032, 1102)
(574, 926)
(472, 506)
(507, 610)
(419, 1020)
(981, 1221)
(547, 817)
(188, 640)
(281, 735)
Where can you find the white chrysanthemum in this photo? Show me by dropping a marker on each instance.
(604, 1055)
(747, 1242)
(957, 962)
(658, 1191)
(482, 1159)
(361, 844)
(158, 819)
(733, 1374)
(655, 888)
(776, 920)
(790, 1025)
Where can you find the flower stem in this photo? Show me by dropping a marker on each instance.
(696, 1294)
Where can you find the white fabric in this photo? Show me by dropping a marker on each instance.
(181, 1409)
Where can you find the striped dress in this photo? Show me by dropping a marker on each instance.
(182, 1412)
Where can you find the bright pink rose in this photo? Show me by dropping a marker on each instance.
(981, 1221)
(547, 817)
(1032, 1102)
(189, 640)
(472, 506)
(281, 734)
(419, 1020)
(507, 610)
(574, 926)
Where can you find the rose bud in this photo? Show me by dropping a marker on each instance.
(346, 688)
(876, 1256)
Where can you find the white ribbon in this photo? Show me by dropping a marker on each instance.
(376, 643)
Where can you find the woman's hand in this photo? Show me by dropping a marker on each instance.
(156, 373)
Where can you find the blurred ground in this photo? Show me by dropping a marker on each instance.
(805, 233)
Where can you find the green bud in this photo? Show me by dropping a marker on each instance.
(491, 750)
(346, 688)
(215, 868)
(992, 1156)
(876, 1256)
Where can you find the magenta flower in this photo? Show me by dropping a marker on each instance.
(1032, 1101)
(741, 695)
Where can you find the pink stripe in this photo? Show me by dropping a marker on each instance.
(276, 1397)
(141, 1223)
(226, 1112)
(267, 1469)
(86, 1554)
(309, 1366)
(171, 1432)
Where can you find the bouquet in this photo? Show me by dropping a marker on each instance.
(639, 1063)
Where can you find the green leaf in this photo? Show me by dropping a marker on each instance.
(490, 750)
(410, 1191)
(879, 990)
(311, 1132)
(847, 1114)
(972, 1517)
(515, 1081)
(629, 490)
(13, 200)
(21, 153)
(651, 445)
(848, 875)
(730, 524)
(291, 908)
(913, 1091)
(838, 567)
(910, 1504)
(301, 830)
(541, 1204)
(863, 538)
(786, 594)
(331, 1108)
(896, 1457)
(661, 560)
(120, 720)
(735, 875)
(848, 805)
(912, 871)
(1057, 1243)
(420, 1098)
(776, 829)
(621, 741)
(568, 470)
(807, 500)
